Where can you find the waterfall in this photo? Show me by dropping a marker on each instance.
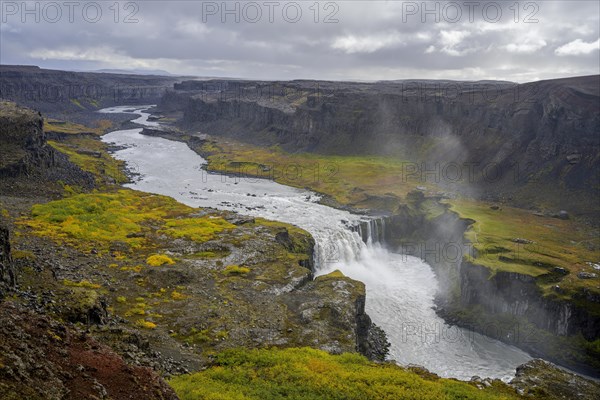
(399, 289)
(371, 231)
(336, 246)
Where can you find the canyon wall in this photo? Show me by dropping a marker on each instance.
(510, 142)
(507, 306)
(53, 91)
(27, 162)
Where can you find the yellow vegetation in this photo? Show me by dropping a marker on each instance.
(83, 284)
(313, 374)
(142, 323)
(175, 295)
(156, 260)
(72, 128)
(236, 270)
(98, 219)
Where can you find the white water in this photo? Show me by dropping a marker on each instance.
(400, 289)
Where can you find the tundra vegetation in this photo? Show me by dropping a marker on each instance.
(505, 238)
(305, 373)
(199, 285)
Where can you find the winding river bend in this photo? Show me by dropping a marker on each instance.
(400, 289)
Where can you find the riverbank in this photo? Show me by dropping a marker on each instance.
(165, 285)
(60, 264)
(556, 256)
(399, 297)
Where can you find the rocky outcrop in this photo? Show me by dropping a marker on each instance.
(44, 359)
(61, 91)
(27, 162)
(541, 379)
(512, 142)
(23, 141)
(336, 301)
(7, 272)
(505, 305)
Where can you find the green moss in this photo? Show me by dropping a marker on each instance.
(235, 270)
(91, 156)
(553, 243)
(82, 284)
(196, 229)
(100, 219)
(334, 275)
(210, 254)
(72, 128)
(198, 336)
(23, 255)
(347, 179)
(312, 374)
(156, 260)
(77, 103)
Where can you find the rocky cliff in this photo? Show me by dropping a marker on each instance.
(7, 273)
(521, 143)
(53, 91)
(251, 286)
(27, 162)
(509, 306)
(44, 359)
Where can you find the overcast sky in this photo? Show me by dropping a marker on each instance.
(341, 40)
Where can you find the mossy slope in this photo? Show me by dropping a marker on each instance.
(312, 374)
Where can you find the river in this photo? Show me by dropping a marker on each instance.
(400, 288)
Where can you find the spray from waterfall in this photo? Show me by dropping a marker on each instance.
(399, 289)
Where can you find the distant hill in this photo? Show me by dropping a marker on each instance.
(52, 91)
(159, 72)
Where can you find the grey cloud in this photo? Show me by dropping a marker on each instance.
(372, 40)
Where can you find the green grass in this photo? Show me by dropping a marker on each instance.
(555, 243)
(72, 128)
(91, 156)
(308, 374)
(236, 270)
(97, 219)
(347, 179)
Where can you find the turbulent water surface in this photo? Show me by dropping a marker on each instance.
(400, 289)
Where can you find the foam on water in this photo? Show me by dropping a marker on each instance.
(400, 289)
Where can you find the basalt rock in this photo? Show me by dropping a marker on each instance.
(526, 142)
(541, 379)
(27, 162)
(7, 272)
(53, 91)
(44, 359)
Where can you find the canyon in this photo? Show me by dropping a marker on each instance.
(540, 136)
